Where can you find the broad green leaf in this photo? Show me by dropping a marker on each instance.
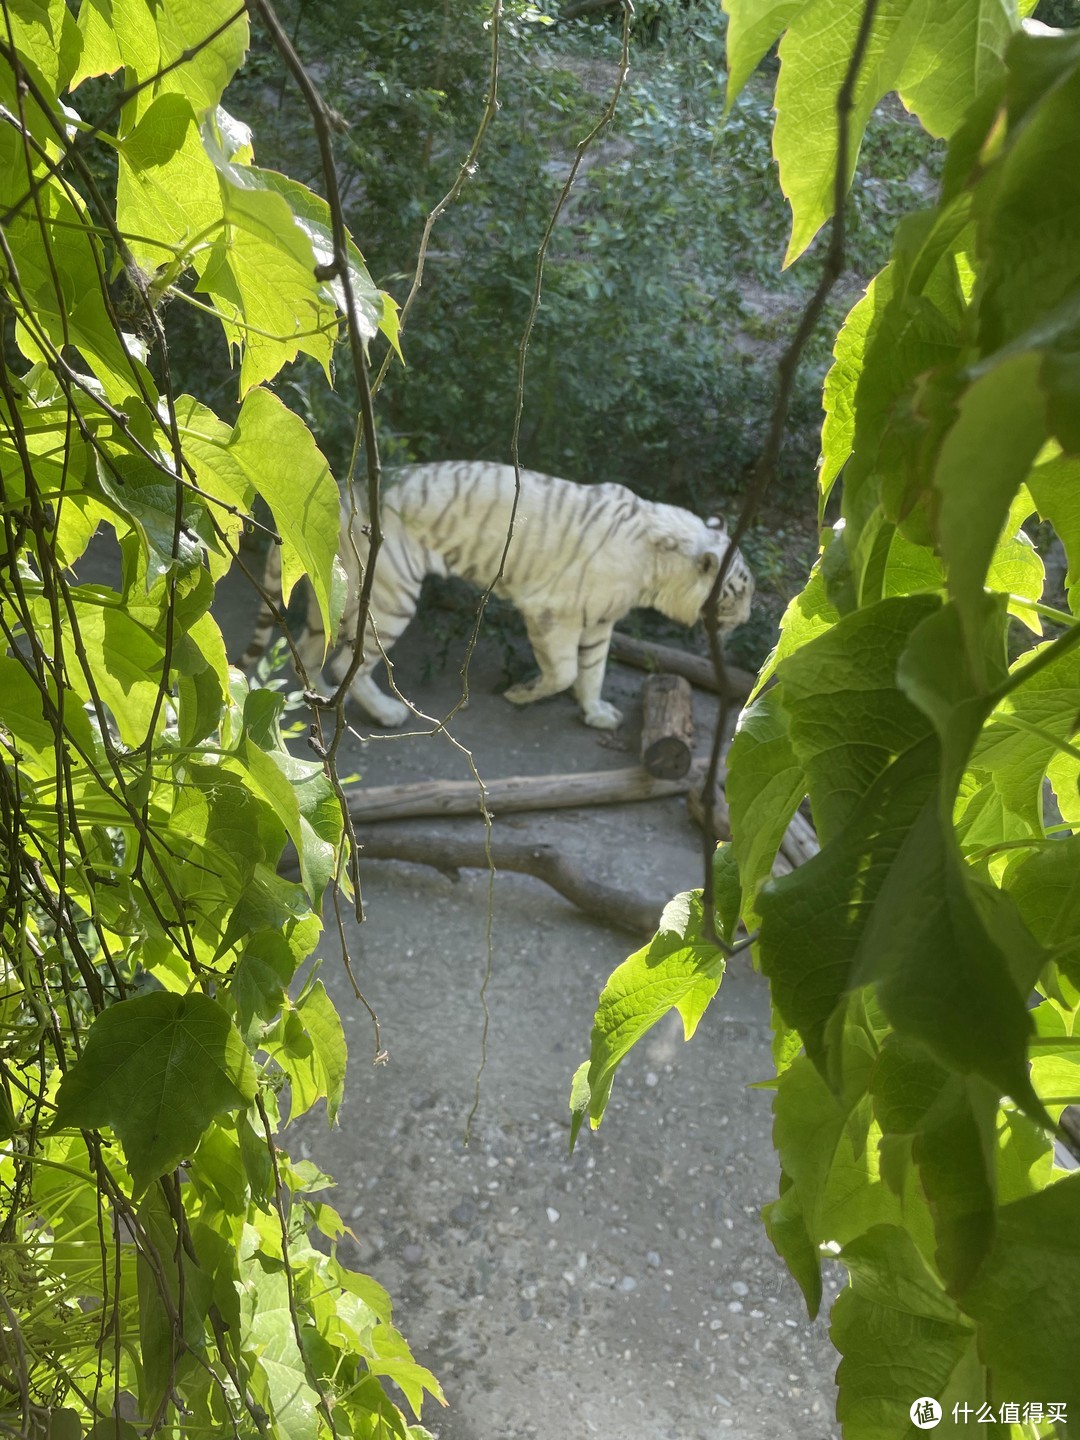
(275, 450)
(900, 1335)
(842, 381)
(1046, 889)
(846, 719)
(753, 26)
(299, 791)
(309, 1045)
(1030, 200)
(765, 784)
(150, 40)
(260, 275)
(1026, 730)
(157, 1069)
(1024, 1298)
(265, 1305)
(258, 987)
(785, 1226)
(46, 37)
(808, 615)
(998, 432)
(832, 1188)
(167, 194)
(678, 970)
(312, 214)
(951, 1119)
(165, 1360)
(938, 54)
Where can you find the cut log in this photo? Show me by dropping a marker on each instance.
(515, 792)
(696, 668)
(620, 908)
(667, 729)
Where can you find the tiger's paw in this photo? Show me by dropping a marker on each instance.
(602, 716)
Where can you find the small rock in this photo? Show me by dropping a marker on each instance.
(412, 1254)
(652, 1079)
(735, 1306)
(740, 1287)
(652, 1259)
(628, 1283)
(465, 1213)
(552, 1214)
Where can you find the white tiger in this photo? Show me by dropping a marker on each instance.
(581, 557)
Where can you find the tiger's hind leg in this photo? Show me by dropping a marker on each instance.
(592, 654)
(555, 647)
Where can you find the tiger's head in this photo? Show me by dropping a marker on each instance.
(689, 553)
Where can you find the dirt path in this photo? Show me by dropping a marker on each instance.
(627, 1290)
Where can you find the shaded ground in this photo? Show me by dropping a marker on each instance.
(628, 1290)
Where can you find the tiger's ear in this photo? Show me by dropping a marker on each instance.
(717, 522)
(708, 562)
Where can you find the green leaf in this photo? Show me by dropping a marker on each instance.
(764, 787)
(847, 720)
(1030, 199)
(267, 1312)
(260, 275)
(166, 187)
(812, 921)
(309, 1045)
(275, 450)
(951, 1118)
(900, 1335)
(679, 969)
(157, 1069)
(753, 26)
(1026, 730)
(831, 1187)
(1024, 1298)
(374, 310)
(150, 41)
(938, 54)
(47, 39)
(1046, 889)
(998, 432)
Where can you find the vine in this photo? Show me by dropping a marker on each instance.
(923, 699)
(156, 1256)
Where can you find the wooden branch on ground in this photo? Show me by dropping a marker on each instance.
(800, 842)
(696, 668)
(621, 909)
(667, 726)
(515, 792)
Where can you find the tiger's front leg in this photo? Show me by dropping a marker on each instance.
(592, 653)
(554, 644)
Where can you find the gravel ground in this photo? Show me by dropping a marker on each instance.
(627, 1289)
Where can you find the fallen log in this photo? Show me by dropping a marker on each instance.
(514, 792)
(695, 804)
(619, 908)
(667, 727)
(696, 668)
(800, 842)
